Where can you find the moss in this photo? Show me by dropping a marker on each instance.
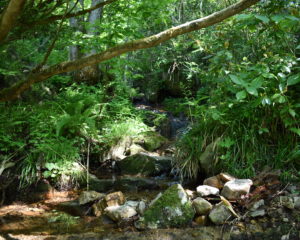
(150, 140)
(169, 211)
(138, 164)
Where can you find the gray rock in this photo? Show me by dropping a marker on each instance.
(257, 205)
(118, 213)
(201, 206)
(257, 213)
(171, 209)
(234, 189)
(205, 190)
(89, 196)
(219, 214)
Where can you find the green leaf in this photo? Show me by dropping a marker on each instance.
(263, 18)
(50, 166)
(277, 18)
(292, 80)
(281, 99)
(244, 16)
(295, 130)
(292, 112)
(257, 82)
(237, 80)
(241, 95)
(265, 101)
(47, 174)
(252, 91)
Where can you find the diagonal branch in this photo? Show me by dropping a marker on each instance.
(69, 15)
(9, 17)
(13, 92)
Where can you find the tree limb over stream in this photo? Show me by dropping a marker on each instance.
(14, 91)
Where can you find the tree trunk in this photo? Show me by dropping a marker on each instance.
(92, 74)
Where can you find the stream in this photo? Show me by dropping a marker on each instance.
(50, 214)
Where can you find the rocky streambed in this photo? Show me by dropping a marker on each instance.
(138, 196)
(222, 207)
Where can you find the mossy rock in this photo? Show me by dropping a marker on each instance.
(150, 140)
(143, 164)
(171, 209)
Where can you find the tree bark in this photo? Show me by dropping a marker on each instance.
(91, 74)
(9, 17)
(148, 42)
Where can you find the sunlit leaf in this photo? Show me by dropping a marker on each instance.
(241, 95)
(263, 18)
(237, 80)
(292, 80)
(252, 91)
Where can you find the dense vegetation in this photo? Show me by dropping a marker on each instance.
(238, 82)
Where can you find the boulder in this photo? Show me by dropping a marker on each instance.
(201, 206)
(144, 164)
(171, 209)
(118, 213)
(205, 190)
(234, 189)
(89, 196)
(150, 140)
(220, 214)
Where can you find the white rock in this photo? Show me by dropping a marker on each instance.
(205, 190)
(201, 206)
(141, 207)
(234, 189)
(118, 213)
(219, 214)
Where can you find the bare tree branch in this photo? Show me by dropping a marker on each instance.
(10, 16)
(13, 92)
